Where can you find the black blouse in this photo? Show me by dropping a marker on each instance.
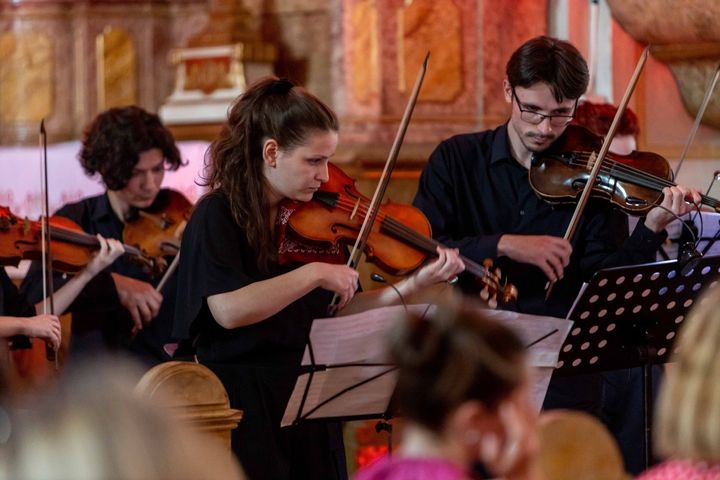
(12, 303)
(216, 258)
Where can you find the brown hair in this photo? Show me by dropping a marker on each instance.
(449, 357)
(113, 142)
(555, 62)
(270, 108)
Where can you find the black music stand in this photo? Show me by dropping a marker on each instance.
(628, 317)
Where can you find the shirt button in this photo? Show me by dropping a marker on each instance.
(522, 212)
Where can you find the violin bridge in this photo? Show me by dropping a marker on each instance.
(355, 209)
(591, 161)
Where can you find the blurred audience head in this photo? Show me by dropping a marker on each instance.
(688, 417)
(93, 427)
(463, 381)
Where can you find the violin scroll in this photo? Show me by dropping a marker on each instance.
(495, 288)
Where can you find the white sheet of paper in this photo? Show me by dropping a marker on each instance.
(350, 350)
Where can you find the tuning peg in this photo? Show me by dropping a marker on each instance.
(484, 294)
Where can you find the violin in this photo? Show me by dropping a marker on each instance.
(400, 239)
(156, 231)
(72, 249)
(633, 182)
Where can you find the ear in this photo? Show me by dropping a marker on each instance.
(507, 90)
(270, 152)
(471, 415)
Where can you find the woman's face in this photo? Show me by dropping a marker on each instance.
(297, 173)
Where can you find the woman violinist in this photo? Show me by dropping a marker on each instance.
(130, 149)
(249, 315)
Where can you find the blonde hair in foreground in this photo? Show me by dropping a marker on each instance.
(688, 420)
(92, 427)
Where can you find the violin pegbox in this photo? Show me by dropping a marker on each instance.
(495, 288)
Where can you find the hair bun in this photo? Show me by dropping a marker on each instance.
(280, 86)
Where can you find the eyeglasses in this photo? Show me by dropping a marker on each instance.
(537, 118)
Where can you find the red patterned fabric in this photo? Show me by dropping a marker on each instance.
(293, 248)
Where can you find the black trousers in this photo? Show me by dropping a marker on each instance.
(266, 451)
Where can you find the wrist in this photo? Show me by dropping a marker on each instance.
(653, 225)
(22, 326)
(502, 246)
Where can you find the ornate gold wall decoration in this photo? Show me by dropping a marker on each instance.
(116, 68)
(26, 73)
(435, 26)
(685, 34)
(364, 81)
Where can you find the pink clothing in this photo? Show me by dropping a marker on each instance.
(386, 468)
(682, 470)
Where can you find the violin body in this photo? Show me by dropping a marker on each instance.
(71, 248)
(632, 182)
(156, 231)
(336, 215)
(20, 239)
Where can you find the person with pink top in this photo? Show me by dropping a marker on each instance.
(687, 425)
(463, 395)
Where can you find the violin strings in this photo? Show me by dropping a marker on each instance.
(631, 172)
(642, 178)
(403, 231)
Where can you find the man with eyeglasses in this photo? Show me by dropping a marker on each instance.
(476, 194)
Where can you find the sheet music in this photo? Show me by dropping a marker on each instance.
(542, 355)
(370, 398)
(358, 338)
(531, 328)
(351, 350)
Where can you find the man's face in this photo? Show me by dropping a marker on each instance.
(526, 136)
(146, 180)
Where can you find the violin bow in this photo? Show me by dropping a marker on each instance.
(596, 161)
(47, 273)
(381, 188)
(170, 270)
(701, 112)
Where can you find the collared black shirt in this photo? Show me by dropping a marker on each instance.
(473, 191)
(99, 320)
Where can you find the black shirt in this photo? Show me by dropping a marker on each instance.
(12, 303)
(216, 258)
(99, 319)
(473, 191)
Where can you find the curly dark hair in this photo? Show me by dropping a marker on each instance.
(270, 108)
(113, 142)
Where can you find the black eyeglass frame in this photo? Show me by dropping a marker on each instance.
(536, 118)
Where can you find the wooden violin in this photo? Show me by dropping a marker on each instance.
(633, 182)
(400, 239)
(156, 231)
(72, 249)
